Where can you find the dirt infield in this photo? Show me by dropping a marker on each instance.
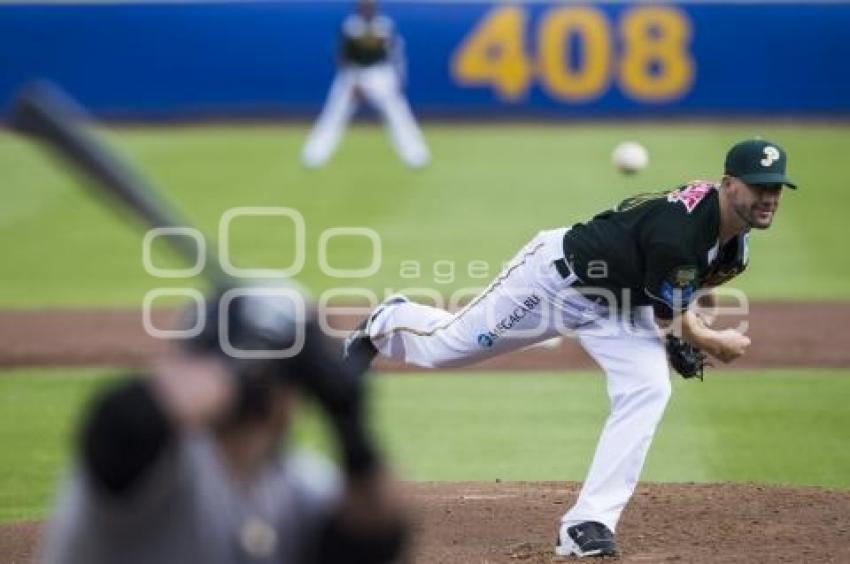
(689, 523)
(692, 523)
(516, 521)
(784, 335)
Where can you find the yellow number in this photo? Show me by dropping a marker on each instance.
(493, 54)
(558, 74)
(656, 64)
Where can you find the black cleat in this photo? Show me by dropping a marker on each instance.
(358, 346)
(590, 538)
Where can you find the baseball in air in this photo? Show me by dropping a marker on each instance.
(630, 157)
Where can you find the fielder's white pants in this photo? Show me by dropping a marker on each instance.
(530, 302)
(379, 84)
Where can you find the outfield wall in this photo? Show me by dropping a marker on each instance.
(177, 60)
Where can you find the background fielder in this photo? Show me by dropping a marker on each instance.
(609, 280)
(371, 67)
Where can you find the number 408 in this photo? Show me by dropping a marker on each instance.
(655, 64)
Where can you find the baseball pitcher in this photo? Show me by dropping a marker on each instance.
(613, 281)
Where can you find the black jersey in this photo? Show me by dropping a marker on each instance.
(366, 41)
(660, 248)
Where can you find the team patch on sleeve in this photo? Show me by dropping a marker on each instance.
(691, 195)
(678, 289)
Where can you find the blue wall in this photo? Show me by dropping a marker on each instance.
(270, 58)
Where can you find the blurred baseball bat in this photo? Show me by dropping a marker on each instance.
(49, 115)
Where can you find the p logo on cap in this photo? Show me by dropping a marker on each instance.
(758, 161)
(771, 154)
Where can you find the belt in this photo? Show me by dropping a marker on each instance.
(563, 268)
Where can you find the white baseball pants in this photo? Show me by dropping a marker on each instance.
(379, 84)
(530, 302)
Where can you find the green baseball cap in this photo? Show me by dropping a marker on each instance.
(758, 161)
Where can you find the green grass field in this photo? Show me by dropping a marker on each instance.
(488, 191)
(773, 427)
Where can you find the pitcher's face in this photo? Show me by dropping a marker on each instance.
(755, 204)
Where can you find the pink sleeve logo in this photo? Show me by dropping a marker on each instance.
(692, 194)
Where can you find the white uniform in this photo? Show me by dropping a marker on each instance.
(380, 84)
(531, 301)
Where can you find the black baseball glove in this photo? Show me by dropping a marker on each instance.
(685, 358)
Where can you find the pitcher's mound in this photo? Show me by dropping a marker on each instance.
(687, 523)
(478, 522)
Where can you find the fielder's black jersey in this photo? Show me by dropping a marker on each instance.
(659, 247)
(366, 41)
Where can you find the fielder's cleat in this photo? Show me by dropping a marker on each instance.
(358, 345)
(585, 539)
